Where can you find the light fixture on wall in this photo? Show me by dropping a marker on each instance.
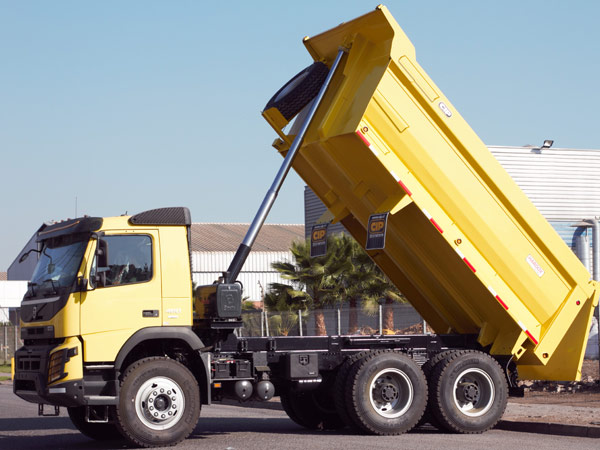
(547, 144)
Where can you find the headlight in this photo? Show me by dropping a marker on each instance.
(56, 365)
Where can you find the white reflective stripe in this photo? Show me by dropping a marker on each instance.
(37, 302)
(426, 214)
(460, 253)
(373, 150)
(57, 391)
(396, 177)
(492, 291)
(522, 326)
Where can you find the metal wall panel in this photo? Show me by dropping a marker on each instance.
(208, 267)
(313, 209)
(249, 280)
(562, 183)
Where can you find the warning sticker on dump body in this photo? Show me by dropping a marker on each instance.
(535, 266)
(376, 231)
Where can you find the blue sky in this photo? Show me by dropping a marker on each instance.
(133, 105)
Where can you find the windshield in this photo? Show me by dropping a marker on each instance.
(57, 267)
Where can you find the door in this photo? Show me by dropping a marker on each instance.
(125, 295)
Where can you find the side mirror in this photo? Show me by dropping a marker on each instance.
(102, 254)
(100, 277)
(82, 284)
(25, 255)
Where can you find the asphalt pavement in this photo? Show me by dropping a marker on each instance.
(236, 427)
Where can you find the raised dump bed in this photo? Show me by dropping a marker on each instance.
(464, 244)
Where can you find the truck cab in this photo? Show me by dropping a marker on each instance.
(101, 288)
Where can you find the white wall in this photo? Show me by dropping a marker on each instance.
(11, 293)
(208, 266)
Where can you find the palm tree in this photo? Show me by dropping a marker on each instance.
(382, 289)
(365, 282)
(315, 281)
(354, 283)
(284, 310)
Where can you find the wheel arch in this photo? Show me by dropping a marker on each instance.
(178, 343)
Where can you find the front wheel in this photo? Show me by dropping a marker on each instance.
(93, 430)
(159, 403)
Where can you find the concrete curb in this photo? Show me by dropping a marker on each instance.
(558, 429)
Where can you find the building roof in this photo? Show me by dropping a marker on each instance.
(226, 237)
(3, 276)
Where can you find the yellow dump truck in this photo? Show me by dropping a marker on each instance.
(113, 331)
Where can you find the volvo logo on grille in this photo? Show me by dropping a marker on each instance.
(34, 313)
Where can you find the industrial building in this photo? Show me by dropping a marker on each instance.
(213, 246)
(562, 183)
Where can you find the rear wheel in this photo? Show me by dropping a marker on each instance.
(159, 403)
(339, 387)
(312, 409)
(428, 367)
(97, 431)
(469, 392)
(386, 393)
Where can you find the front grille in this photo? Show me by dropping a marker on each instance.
(24, 385)
(29, 363)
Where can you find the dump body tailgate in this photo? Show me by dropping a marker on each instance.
(464, 244)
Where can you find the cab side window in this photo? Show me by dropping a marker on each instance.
(129, 259)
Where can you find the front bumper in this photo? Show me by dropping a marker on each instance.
(31, 378)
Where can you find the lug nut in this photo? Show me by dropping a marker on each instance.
(152, 408)
(150, 399)
(155, 393)
(173, 398)
(170, 413)
(155, 414)
(162, 416)
(168, 392)
(162, 391)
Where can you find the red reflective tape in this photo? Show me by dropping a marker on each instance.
(439, 228)
(469, 264)
(531, 337)
(501, 302)
(403, 186)
(364, 139)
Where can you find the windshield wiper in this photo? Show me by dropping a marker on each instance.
(55, 291)
(30, 286)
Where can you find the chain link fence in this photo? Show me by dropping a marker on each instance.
(10, 341)
(386, 319)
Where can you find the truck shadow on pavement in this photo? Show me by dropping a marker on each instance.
(62, 436)
(227, 425)
(58, 432)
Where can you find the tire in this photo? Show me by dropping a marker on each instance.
(97, 431)
(339, 388)
(152, 389)
(313, 409)
(386, 393)
(286, 404)
(427, 368)
(299, 91)
(468, 392)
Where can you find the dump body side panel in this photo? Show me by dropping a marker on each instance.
(464, 243)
